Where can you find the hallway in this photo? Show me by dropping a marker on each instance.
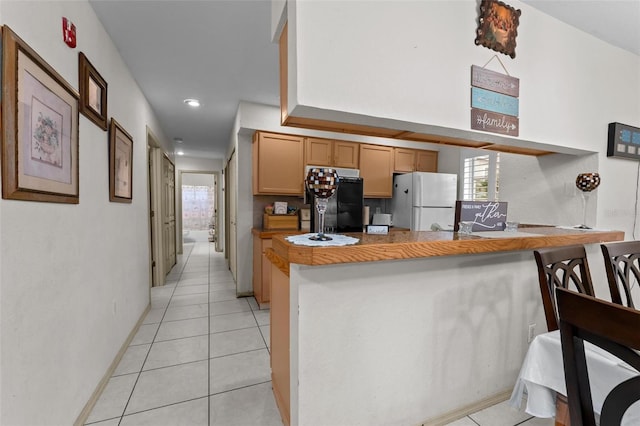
(201, 356)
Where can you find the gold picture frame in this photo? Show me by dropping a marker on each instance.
(120, 164)
(498, 27)
(39, 128)
(93, 92)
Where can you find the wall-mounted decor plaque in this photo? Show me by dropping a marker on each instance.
(485, 215)
(623, 141)
(488, 121)
(495, 81)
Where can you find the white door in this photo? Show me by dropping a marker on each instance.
(168, 214)
(233, 210)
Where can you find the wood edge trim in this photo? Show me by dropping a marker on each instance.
(284, 414)
(468, 409)
(316, 256)
(86, 410)
(283, 46)
(277, 260)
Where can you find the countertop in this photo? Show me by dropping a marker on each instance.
(413, 244)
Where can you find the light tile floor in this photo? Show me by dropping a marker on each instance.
(201, 357)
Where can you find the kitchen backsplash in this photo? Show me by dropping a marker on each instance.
(261, 201)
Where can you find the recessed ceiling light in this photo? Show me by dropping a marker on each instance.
(178, 140)
(192, 102)
(180, 153)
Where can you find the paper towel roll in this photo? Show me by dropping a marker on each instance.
(365, 215)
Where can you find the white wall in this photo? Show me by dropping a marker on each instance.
(402, 342)
(408, 64)
(74, 279)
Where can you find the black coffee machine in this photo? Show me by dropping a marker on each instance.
(344, 208)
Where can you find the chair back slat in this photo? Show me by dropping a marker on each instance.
(561, 267)
(610, 326)
(622, 263)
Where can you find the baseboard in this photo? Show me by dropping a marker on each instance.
(452, 416)
(84, 414)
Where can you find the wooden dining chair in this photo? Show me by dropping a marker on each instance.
(622, 263)
(564, 267)
(610, 326)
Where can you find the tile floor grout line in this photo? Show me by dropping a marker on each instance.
(166, 405)
(241, 387)
(209, 339)
(124, 410)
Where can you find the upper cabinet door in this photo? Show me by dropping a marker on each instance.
(318, 152)
(278, 164)
(404, 160)
(376, 170)
(427, 161)
(346, 154)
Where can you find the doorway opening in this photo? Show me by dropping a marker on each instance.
(198, 207)
(197, 196)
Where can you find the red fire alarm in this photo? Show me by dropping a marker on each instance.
(69, 33)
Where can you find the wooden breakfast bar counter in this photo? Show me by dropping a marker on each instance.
(409, 327)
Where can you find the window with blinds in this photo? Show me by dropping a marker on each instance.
(480, 176)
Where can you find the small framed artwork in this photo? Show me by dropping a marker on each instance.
(39, 127)
(120, 164)
(498, 27)
(280, 207)
(93, 93)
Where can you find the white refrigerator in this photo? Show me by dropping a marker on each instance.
(423, 199)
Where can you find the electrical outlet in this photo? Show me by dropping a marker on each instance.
(532, 332)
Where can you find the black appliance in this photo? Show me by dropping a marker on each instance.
(344, 208)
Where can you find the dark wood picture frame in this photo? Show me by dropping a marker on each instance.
(93, 92)
(40, 116)
(498, 27)
(120, 164)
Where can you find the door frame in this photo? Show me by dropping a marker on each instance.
(216, 180)
(154, 163)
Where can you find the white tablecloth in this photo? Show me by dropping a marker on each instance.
(542, 374)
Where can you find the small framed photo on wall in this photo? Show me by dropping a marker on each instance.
(120, 164)
(93, 93)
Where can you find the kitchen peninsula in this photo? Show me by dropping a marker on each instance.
(406, 328)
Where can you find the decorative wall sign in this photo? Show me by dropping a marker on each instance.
(623, 141)
(495, 102)
(498, 27)
(488, 121)
(495, 81)
(485, 215)
(39, 127)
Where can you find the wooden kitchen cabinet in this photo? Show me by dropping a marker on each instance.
(330, 153)
(278, 164)
(404, 160)
(346, 154)
(426, 161)
(376, 170)
(261, 271)
(318, 152)
(407, 160)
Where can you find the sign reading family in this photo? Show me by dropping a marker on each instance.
(494, 102)
(485, 215)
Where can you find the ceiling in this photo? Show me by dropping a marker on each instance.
(219, 51)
